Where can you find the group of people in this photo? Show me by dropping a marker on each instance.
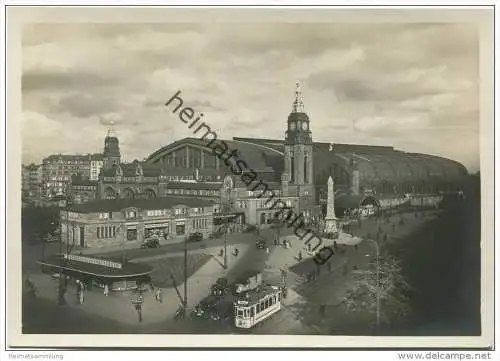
(286, 243)
(158, 294)
(236, 252)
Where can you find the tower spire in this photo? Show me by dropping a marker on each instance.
(298, 105)
(110, 129)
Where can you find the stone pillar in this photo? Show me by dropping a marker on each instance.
(140, 232)
(330, 219)
(355, 182)
(284, 184)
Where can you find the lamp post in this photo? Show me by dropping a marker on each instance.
(378, 285)
(225, 242)
(62, 279)
(226, 209)
(185, 275)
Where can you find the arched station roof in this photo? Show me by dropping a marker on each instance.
(375, 163)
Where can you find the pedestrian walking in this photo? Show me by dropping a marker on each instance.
(300, 256)
(322, 309)
(267, 251)
(106, 290)
(159, 295)
(309, 247)
(81, 298)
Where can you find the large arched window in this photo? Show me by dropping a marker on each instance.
(110, 193)
(149, 193)
(128, 193)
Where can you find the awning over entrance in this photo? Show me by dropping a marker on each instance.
(156, 225)
(128, 270)
(354, 201)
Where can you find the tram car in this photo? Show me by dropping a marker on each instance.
(257, 306)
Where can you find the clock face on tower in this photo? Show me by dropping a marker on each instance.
(292, 125)
(304, 125)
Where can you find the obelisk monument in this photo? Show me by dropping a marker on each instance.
(330, 219)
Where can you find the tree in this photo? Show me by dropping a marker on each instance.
(392, 288)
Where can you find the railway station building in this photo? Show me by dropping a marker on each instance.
(294, 169)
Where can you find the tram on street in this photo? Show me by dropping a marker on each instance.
(257, 306)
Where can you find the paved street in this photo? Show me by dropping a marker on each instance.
(327, 288)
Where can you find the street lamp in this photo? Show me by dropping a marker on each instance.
(378, 285)
(62, 279)
(226, 209)
(225, 243)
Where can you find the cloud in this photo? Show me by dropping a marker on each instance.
(407, 85)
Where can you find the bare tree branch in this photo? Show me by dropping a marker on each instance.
(392, 288)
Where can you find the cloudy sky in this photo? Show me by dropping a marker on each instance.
(412, 86)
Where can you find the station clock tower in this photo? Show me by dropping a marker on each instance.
(299, 148)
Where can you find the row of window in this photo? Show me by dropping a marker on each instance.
(106, 215)
(60, 161)
(156, 212)
(84, 188)
(55, 179)
(202, 178)
(177, 211)
(200, 223)
(162, 212)
(106, 232)
(180, 158)
(268, 302)
(260, 194)
(194, 192)
(264, 203)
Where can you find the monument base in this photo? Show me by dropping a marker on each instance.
(331, 230)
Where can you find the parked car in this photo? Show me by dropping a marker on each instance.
(261, 244)
(220, 287)
(216, 234)
(207, 308)
(151, 243)
(195, 237)
(250, 228)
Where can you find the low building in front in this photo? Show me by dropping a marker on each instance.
(118, 222)
(98, 272)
